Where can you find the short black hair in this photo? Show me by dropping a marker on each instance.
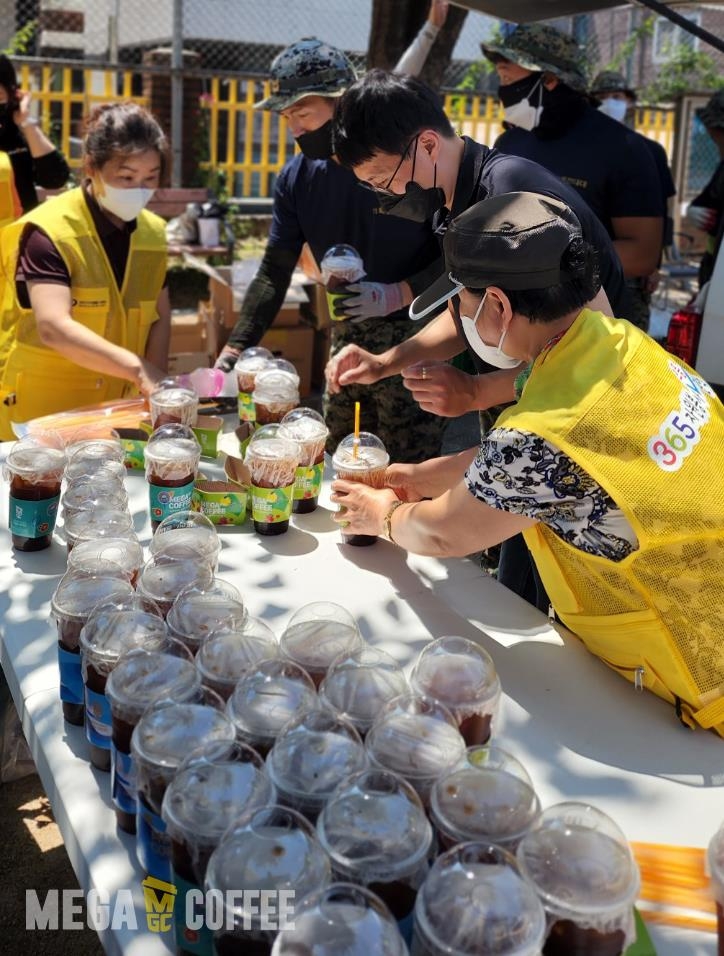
(383, 112)
(580, 262)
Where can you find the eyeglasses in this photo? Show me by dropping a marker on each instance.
(405, 155)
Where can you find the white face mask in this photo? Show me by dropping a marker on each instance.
(492, 354)
(523, 114)
(124, 203)
(616, 109)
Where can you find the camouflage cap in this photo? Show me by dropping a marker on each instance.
(712, 113)
(537, 46)
(609, 81)
(308, 67)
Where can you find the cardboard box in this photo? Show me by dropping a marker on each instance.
(297, 346)
(189, 332)
(187, 362)
(316, 311)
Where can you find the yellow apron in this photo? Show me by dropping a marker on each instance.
(36, 380)
(650, 431)
(10, 208)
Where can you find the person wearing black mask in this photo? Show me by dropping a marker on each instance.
(318, 201)
(27, 157)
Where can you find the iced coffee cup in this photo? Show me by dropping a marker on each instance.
(163, 578)
(461, 675)
(197, 611)
(376, 834)
(201, 803)
(99, 522)
(34, 473)
(361, 458)
(248, 365)
(490, 798)
(77, 593)
(313, 754)
(266, 699)
(172, 458)
(307, 428)
(475, 901)
(318, 633)
(187, 536)
(110, 632)
(416, 737)
(141, 678)
(164, 737)
(273, 849)
(87, 494)
(99, 449)
(127, 553)
(273, 466)
(715, 865)
(340, 265)
(584, 873)
(84, 466)
(341, 919)
(172, 404)
(276, 393)
(226, 655)
(359, 683)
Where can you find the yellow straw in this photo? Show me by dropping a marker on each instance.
(355, 443)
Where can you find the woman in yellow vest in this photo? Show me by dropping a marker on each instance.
(610, 463)
(84, 315)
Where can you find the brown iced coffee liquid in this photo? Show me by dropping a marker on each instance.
(99, 756)
(475, 729)
(566, 938)
(400, 897)
(169, 418)
(168, 483)
(305, 506)
(233, 944)
(69, 640)
(271, 414)
(25, 491)
(121, 732)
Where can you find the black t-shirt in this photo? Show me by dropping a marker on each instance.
(605, 161)
(50, 171)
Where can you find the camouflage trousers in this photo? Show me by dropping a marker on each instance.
(640, 303)
(387, 407)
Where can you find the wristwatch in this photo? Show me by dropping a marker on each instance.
(387, 521)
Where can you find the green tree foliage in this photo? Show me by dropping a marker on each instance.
(21, 42)
(685, 71)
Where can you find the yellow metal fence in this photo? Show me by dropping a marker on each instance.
(248, 147)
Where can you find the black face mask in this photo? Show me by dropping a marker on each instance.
(318, 143)
(416, 204)
(520, 90)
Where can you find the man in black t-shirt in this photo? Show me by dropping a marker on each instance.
(706, 211)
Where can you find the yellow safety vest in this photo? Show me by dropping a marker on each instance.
(650, 431)
(36, 380)
(10, 208)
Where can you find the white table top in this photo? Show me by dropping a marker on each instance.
(581, 731)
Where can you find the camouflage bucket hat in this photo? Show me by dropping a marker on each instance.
(712, 114)
(609, 81)
(536, 46)
(308, 67)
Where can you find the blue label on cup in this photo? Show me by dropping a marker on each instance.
(169, 501)
(97, 719)
(33, 519)
(194, 938)
(123, 781)
(405, 927)
(153, 845)
(71, 679)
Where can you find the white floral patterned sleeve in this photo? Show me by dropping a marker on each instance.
(522, 473)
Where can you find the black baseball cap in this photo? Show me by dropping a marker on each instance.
(515, 241)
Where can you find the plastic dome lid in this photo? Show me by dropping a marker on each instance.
(174, 395)
(318, 633)
(474, 900)
(303, 425)
(276, 385)
(456, 671)
(143, 677)
(228, 654)
(360, 453)
(342, 918)
(266, 698)
(79, 591)
(186, 534)
(111, 631)
(163, 578)
(579, 861)
(168, 732)
(104, 449)
(127, 553)
(253, 359)
(197, 611)
(374, 827)
(359, 683)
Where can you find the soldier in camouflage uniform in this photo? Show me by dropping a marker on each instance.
(319, 202)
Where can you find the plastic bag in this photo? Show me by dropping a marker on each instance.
(184, 228)
(15, 758)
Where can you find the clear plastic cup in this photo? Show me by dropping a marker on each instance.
(101, 521)
(200, 804)
(418, 738)
(171, 404)
(110, 632)
(361, 458)
(272, 849)
(90, 466)
(318, 633)
(376, 834)
(226, 655)
(100, 449)
(340, 265)
(266, 699)
(77, 594)
(34, 473)
(162, 578)
(87, 494)
(197, 611)
(461, 675)
(490, 798)
(715, 865)
(584, 873)
(164, 737)
(142, 678)
(476, 901)
(248, 365)
(273, 466)
(127, 553)
(276, 393)
(360, 682)
(341, 919)
(312, 755)
(171, 457)
(308, 429)
(185, 536)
